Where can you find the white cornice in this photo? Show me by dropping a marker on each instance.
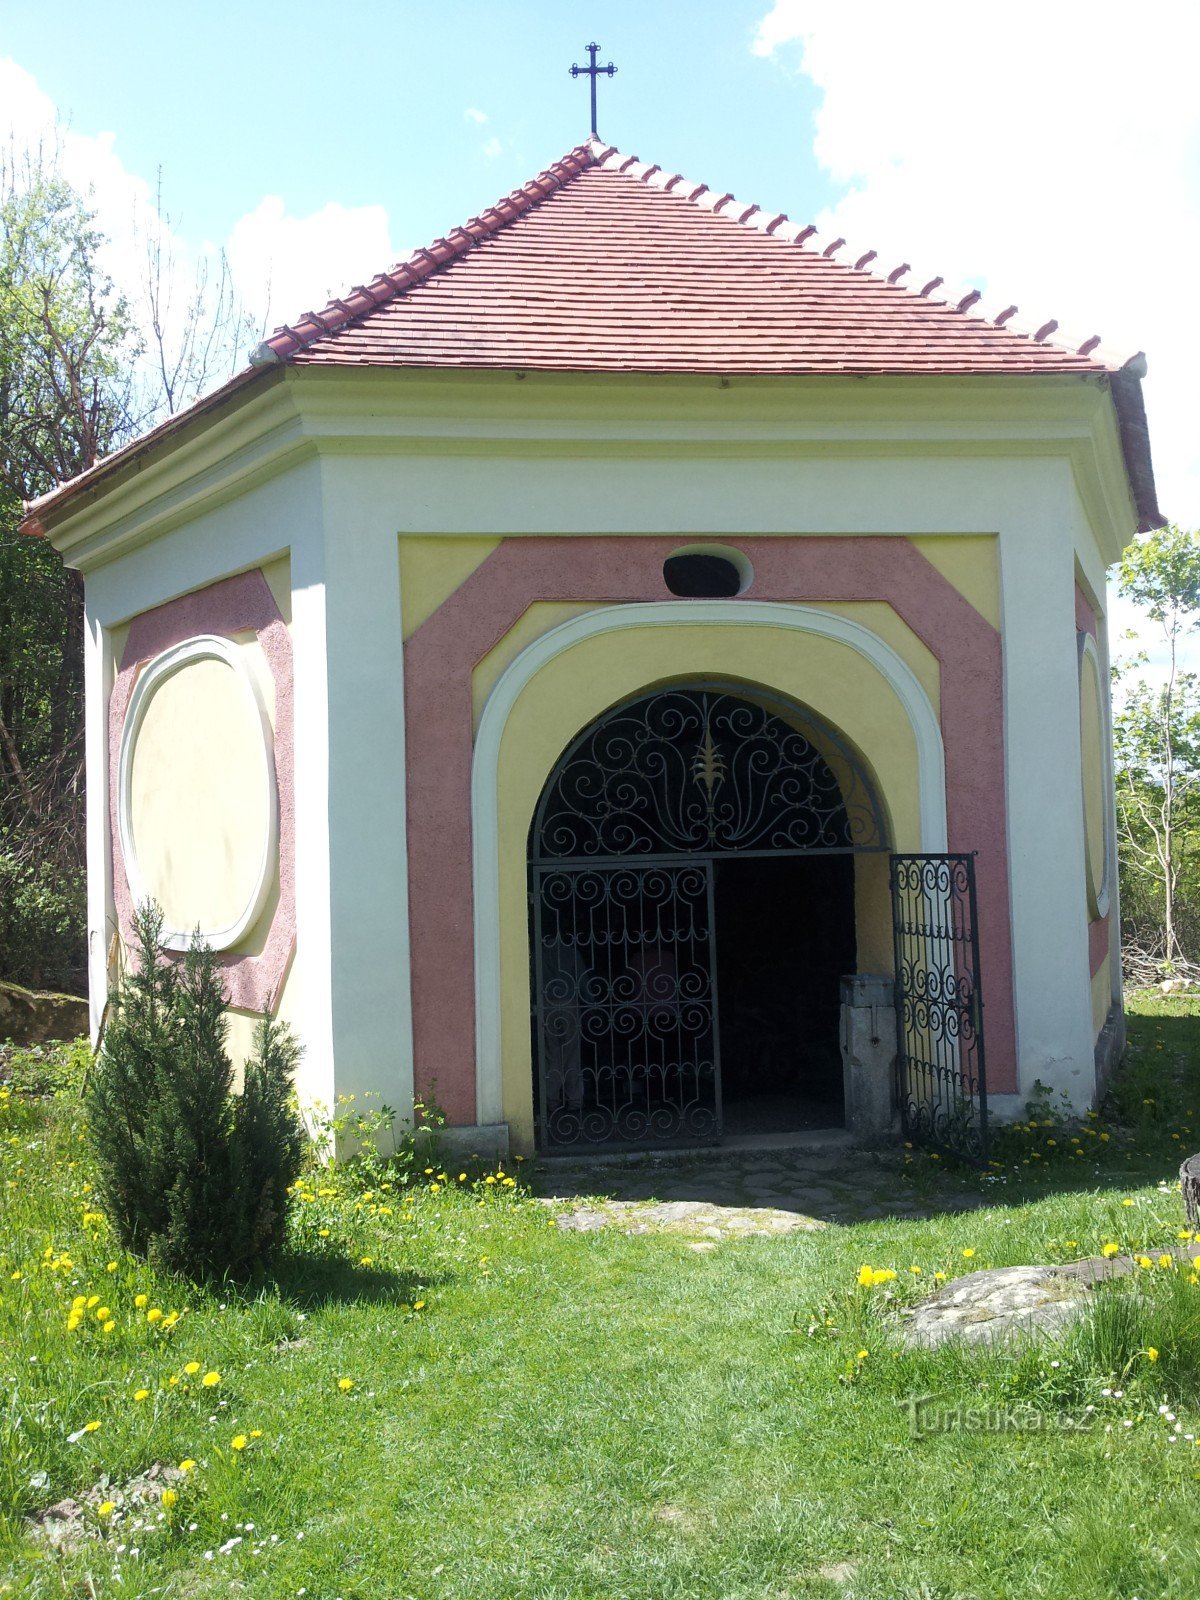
(306, 412)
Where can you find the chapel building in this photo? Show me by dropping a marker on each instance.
(596, 670)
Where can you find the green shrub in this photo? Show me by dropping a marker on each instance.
(42, 1070)
(43, 918)
(193, 1177)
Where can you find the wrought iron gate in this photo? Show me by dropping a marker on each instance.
(942, 1082)
(626, 1004)
(622, 852)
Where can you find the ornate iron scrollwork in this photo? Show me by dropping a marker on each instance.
(942, 1085)
(621, 879)
(626, 1005)
(686, 771)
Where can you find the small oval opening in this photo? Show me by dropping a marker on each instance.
(703, 575)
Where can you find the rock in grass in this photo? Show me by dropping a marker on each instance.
(999, 1303)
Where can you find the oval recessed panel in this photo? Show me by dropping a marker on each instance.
(198, 810)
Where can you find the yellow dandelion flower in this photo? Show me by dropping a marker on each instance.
(1166, 1261)
(365, 1261)
(171, 1318)
(111, 1267)
(916, 1271)
(154, 1315)
(968, 1254)
(1151, 1354)
(418, 1305)
(323, 1233)
(256, 1433)
(345, 1385)
(168, 1498)
(1126, 1202)
(862, 1355)
(462, 1177)
(79, 1302)
(93, 1300)
(106, 1508)
(141, 1394)
(238, 1442)
(1144, 1262)
(211, 1379)
(107, 1327)
(141, 1301)
(865, 1276)
(192, 1368)
(90, 1427)
(187, 1465)
(1111, 1250)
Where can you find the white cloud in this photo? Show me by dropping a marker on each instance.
(1049, 153)
(492, 148)
(473, 114)
(286, 265)
(123, 201)
(282, 265)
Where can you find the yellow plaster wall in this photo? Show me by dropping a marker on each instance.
(278, 574)
(159, 835)
(431, 569)
(577, 686)
(538, 619)
(196, 796)
(969, 561)
(881, 620)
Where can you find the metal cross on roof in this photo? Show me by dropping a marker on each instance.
(593, 72)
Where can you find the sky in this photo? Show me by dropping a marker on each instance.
(1047, 154)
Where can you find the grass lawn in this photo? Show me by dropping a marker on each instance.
(442, 1394)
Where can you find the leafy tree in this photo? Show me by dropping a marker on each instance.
(192, 1176)
(66, 349)
(1157, 738)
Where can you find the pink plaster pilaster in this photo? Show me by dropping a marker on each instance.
(440, 656)
(1098, 944)
(1085, 617)
(235, 605)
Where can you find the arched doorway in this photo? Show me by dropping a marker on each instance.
(692, 887)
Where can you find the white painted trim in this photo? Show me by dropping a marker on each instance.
(102, 915)
(485, 797)
(1089, 660)
(203, 647)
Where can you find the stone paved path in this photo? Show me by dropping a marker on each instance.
(748, 1191)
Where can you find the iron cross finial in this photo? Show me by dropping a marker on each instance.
(592, 71)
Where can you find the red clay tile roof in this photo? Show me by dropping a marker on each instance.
(603, 264)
